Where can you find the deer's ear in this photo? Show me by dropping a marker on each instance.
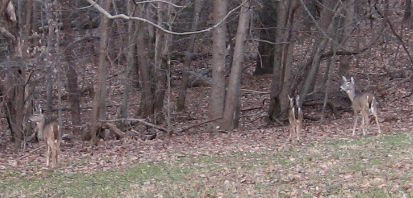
(352, 80)
(344, 78)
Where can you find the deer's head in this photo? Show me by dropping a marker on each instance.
(348, 85)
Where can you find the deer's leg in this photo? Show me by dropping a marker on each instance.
(54, 155)
(298, 133)
(377, 122)
(365, 121)
(298, 130)
(48, 155)
(57, 149)
(374, 112)
(355, 123)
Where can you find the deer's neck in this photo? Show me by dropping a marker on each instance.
(40, 126)
(351, 94)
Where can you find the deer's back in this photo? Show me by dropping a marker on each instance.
(362, 101)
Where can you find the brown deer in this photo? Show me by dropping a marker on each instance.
(296, 121)
(50, 133)
(362, 103)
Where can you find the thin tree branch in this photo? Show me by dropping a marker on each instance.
(138, 120)
(154, 1)
(30, 152)
(198, 124)
(269, 42)
(123, 16)
(7, 34)
(400, 40)
(324, 33)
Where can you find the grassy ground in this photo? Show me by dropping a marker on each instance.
(366, 167)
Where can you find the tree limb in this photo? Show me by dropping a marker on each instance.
(7, 34)
(154, 1)
(138, 120)
(123, 16)
(198, 124)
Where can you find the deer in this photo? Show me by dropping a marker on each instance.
(295, 119)
(50, 133)
(362, 104)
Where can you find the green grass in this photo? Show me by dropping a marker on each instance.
(367, 167)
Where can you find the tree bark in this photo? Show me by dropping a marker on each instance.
(130, 61)
(280, 87)
(51, 52)
(13, 91)
(188, 57)
(314, 9)
(233, 106)
(408, 11)
(265, 60)
(147, 98)
(29, 19)
(161, 58)
(99, 102)
(344, 36)
(326, 21)
(12, 86)
(71, 74)
(217, 99)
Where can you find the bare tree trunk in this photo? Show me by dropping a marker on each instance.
(281, 80)
(29, 19)
(71, 74)
(9, 26)
(147, 99)
(326, 21)
(161, 58)
(327, 78)
(217, 99)
(14, 104)
(313, 8)
(188, 57)
(13, 89)
(408, 11)
(265, 59)
(233, 103)
(287, 56)
(99, 102)
(130, 63)
(347, 28)
(51, 52)
(276, 85)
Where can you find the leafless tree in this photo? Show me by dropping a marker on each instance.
(188, 56)
(217, 99)
(99, 101)
(233, 104)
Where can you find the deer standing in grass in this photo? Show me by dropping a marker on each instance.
(296, 121)
(362, 103)
(50, 133)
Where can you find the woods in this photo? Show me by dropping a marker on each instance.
(113, 71)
